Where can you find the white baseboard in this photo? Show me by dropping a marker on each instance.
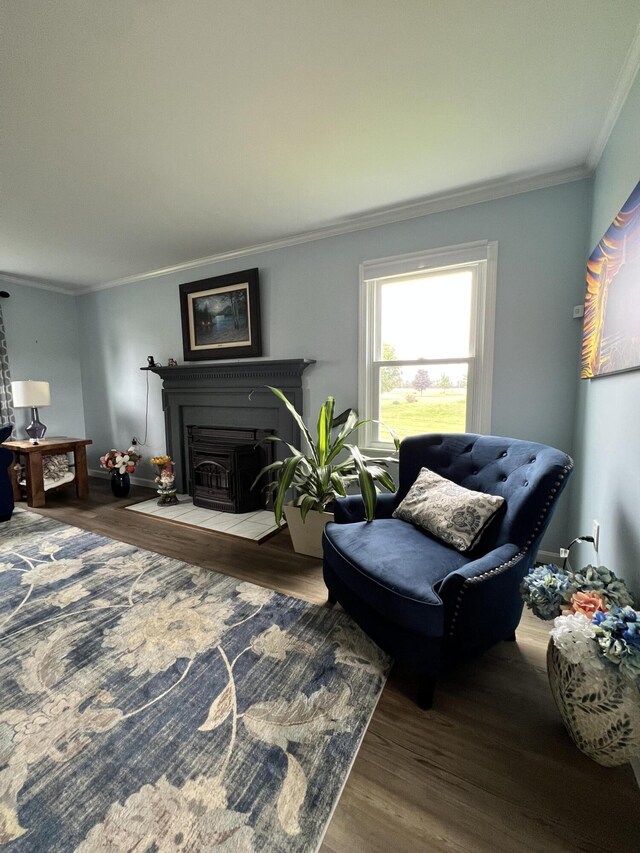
(137, 481)
(549, 557)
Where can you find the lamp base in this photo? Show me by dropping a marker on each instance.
(36, 430)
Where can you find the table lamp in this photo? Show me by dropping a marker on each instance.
(28, 394)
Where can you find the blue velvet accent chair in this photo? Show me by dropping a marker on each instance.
(423, 602)
(6, 488)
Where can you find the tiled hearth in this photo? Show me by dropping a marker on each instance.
(256, 526)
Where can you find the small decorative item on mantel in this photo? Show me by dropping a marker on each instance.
(165, 479)
(121, 463)
(593, 657)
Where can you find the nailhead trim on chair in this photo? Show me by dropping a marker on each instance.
(456, 610)
(513, 560)
(496, 571)
(554, 490)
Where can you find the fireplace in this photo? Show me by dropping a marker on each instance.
(223, 464)
(229, 396)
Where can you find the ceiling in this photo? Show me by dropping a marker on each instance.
(142, 135)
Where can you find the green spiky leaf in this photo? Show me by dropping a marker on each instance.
(325, 421)
(274, 466)
(287, 474)
(367, 486)
(297, 418)
(307, 504)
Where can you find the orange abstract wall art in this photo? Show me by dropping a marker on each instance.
(611, 337)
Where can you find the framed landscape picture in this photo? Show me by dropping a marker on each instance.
(221, 317)
(611, 336)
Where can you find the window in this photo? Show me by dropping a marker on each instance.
(426, 342)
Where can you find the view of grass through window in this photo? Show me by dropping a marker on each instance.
(424, 316)
(415, 400)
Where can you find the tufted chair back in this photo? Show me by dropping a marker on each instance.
(6, 489)
(529, 476)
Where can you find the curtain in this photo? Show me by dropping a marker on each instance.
(6, 397)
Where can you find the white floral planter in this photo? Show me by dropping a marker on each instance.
(306, 535)
(599, 707)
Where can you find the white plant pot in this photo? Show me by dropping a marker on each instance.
(306, 535)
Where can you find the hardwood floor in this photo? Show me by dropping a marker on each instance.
(490, 768)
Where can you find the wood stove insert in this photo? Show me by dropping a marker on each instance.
(223, 464)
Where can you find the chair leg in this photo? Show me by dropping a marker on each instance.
(331, 599)
(511, 638)
(426, 689)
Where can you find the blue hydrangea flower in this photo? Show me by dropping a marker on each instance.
(631, 634)
(618, 635)
(545, 589)
(601, 579)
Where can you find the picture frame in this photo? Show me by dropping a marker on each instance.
(221, 317)
(611, 332)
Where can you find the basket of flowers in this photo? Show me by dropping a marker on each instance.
(593, 659)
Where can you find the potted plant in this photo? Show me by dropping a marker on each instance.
(593, 657)
(325, 472)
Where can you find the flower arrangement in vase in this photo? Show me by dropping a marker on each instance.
(593, 656)
(120, 463)
(165, 478)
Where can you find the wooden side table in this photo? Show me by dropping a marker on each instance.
(33, 454)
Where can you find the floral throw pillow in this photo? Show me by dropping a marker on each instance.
(453, 514)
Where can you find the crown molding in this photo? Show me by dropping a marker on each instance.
(41, 284)
(624, 82)
(476, 194)
(490, 191)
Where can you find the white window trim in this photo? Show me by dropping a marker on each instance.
(480, 383)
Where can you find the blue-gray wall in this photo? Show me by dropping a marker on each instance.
(606, 446)
(309, 299)
(310, 308)
(42, 340)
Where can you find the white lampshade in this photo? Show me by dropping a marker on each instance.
(30, 394)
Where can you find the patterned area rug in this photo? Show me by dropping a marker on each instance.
(148, 705)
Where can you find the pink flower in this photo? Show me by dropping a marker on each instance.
(131, 468)
(588, 603)
(109, 463)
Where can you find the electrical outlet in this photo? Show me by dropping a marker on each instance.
(595, 532)
(578, 311)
